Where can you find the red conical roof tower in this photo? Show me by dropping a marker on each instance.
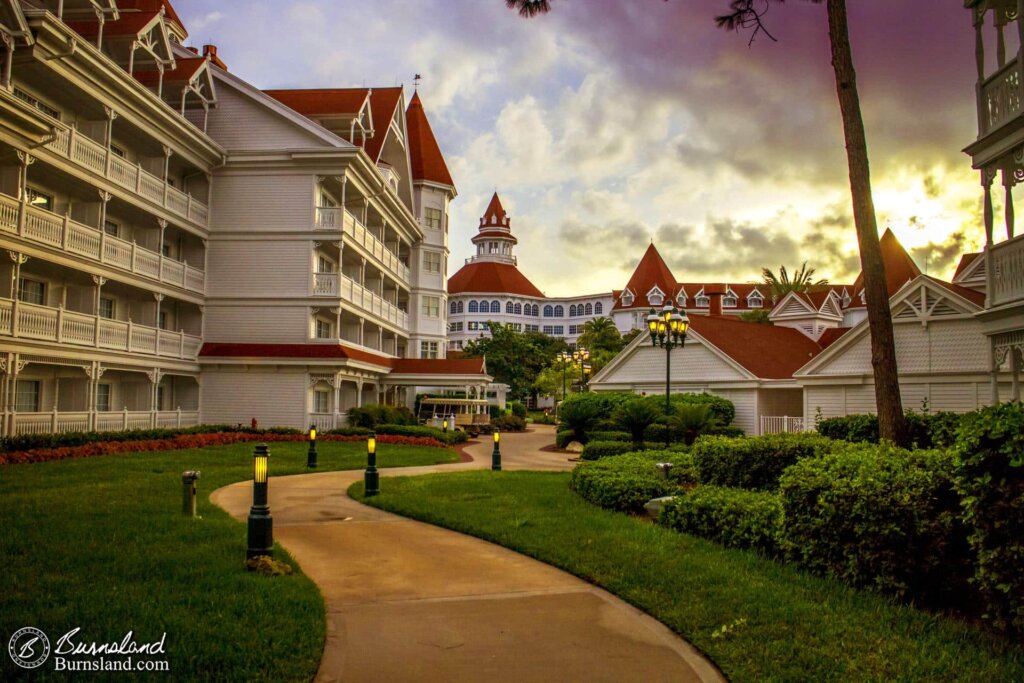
(651, 272)
(424, 152)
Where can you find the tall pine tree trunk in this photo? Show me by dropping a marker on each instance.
(892, 425)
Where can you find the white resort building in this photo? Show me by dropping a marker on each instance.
(181, 247)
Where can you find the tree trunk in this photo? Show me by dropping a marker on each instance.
(891, 421)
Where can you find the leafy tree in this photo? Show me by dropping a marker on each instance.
(600, 334)
(748, 15)
(516, 358)
(757, 315)
(783, 284)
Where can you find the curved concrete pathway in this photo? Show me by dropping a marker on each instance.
(407, 601)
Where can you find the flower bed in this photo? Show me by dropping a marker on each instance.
(189, 441)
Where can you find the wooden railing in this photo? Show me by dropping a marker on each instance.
(352, 291)
(1007, 268)
(325, 284)
(333, 218)
(46, 227)
(56, 422)
(22, 320)
(88, 153)
(771, 424)
(1000, 97)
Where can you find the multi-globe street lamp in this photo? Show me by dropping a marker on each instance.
(580, 356)
(668, 330)
(562, 359)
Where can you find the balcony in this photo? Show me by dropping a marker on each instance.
(1000, 96)
(339, 286)
(93, 156)
(505, 258)
(330, 218)
(55, 422)
(44, 227)
(22, 320)
(1007, 272)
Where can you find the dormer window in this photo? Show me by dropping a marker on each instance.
(627, 298)
(729, 301)
(703, 301)
(754, 301)
(681, 300)
(656, 297)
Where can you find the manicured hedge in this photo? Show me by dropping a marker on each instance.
(564, 437)
(451, 437)
(754, 462)
(609, 436)
(595, 450)
(27, 442)
(990, 477)
(927, 430)
(877, 516)
(625, 483)
(509, 423)
(373, 415)
(732, 517)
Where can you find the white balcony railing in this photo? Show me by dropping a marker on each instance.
(490, 257)
(55, 422)
(771, 424)
(1007, 268)
(332, 218)
(325, 284)
(45, 227)
(353, 292)
(1000, 97)
(22, 320)
(88, 153)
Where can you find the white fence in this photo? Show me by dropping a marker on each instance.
(55, 422)
(771, 424)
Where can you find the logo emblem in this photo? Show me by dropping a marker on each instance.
(29, 647)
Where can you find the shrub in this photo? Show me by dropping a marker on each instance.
(451, 437)
(691, 420)
(659, 432)
(595, 450)
(369, 416)
(855, 428)
(518, 409)
(494, 411)
(634, 417)
(564, 438)
(349, 431)
(990, 476)
(609, 436)
(731, 430)
(509, 423)
(732, 517)
(755, 462)
(26, 442)
(579, 417)
(722, 409)
(926, 430)
(877, 516)
(683, 472)
(624, 483)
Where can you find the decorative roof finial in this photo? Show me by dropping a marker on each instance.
(416, 82)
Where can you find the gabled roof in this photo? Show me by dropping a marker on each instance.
(130, 24)
(383, 103)
(319, 102)
(424, 153)
(832, 335)
(125, 7)
(965, 261)
(185, 69)
(766, 351)
(490, 277)
(495, 215)
(899, 267)
(650, 272)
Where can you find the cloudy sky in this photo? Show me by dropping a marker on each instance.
(608, 123)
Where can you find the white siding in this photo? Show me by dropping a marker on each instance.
(240, 123)
(263, 203)
(259, 269)
(745, 401)
(274, 398)
(694, 362)
(257, 324)
(829, 399)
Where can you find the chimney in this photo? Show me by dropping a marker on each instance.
(714, 293)
(209, 51)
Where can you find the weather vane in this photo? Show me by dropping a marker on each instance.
(416, 82)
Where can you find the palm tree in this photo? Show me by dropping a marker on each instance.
(600, 334)
(747, 14)
(783, 284)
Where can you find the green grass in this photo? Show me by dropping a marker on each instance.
(795, 627)
(101, 543)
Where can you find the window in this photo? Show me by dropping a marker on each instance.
(428, 349)
(518, 327)
(472, 326)
(103, 398)
(533, 328)
(559, 329)
(455, 327)
(31, 291)
(460, 307)
(165, 249)
(451, 308)
(589, 309)
(321, 401)
(26, 396)
(536, 310)
(729, 301)
(495, 307)
(755, 302)
(548, 311)
(323, 329)
(627, 299)
(572, 329)
(40, 200)
(572, 311)
(117, 151)
(324, 265)
(111, 228)
(432, 217)
(474, 307)
(559, 311)
(517, 309)
(29, 99)
(432, 261)
(703, 301)
(549, 329)
(431, 306)
(509, 308)
(598, 308)
(106, 309)
(492, 247)
(161, 398)
(485, 307)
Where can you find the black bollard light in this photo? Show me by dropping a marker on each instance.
(261, 524)
(445, 424)
(496, 453)
(371, 478)
(311, 456)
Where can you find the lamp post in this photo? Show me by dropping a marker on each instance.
(444, 425)
(496, 453)
(261, 524)
(311, 456)
(668, 330)
(563, 358)
(586, 374)
(580, 356)
(371, 478)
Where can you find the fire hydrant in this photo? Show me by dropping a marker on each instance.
(188, 492)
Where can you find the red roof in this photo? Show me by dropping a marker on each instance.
(495, 215)
(767, 351)
(424, 152)
(419, 366)
(185, 68)
(832, 335)
(323, 102)
(130, 24)
(150, 6)
(383, 102)
(972, 295)
(965, 261)
(490, 277)
(649, 272)
(495, 233)
(899, 267)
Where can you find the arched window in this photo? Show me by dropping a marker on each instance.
(548, 311)
(461, 307)
(509, 307)
(703, 301)
(572, 311)
(485, 307)
(589, 309)
(495, 307)
(474, 307)
(518, 309)
(559, 311)
(598, 308)
(755, 301)
(451, 308)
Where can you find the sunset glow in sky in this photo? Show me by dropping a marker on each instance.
(607, 123)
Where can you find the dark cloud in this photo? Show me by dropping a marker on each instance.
(941, 257)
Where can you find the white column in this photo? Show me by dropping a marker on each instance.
(1015, 362)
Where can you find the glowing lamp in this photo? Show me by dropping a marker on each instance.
(311, 454)
(496, 453)
(261, 524)
(371, 478)
(260, 458)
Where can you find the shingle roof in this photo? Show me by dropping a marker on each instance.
(383, 103)
(767, 351)
(151, 6)
(491, 278)
(468, 365)
(130, 24)
(899, 267)
(831, 335)
(424, 153)
(419, 366)
(494, 215)
(965, 261)
(323, 102)
(649, 272)
(185, 69)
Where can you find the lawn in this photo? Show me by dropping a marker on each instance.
(100, 543)
(758, 620)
